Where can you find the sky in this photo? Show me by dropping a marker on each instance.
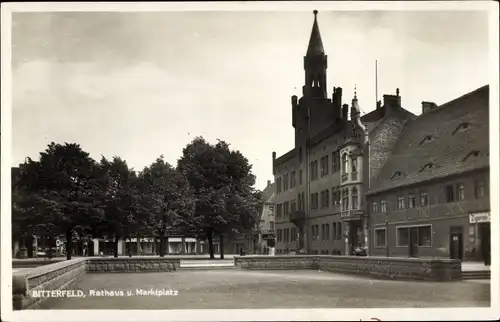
(143, 84)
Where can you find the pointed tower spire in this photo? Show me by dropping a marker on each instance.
(315, 64)
(315, 47)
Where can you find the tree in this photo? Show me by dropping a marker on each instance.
(167, 199)
(119, 200)
(222, 182)
(64, 190)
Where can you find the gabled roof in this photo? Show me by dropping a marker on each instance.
(446, 151)
(268, 192)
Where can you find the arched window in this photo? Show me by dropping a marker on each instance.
(354, 196)
(345, 199)
(345, 163)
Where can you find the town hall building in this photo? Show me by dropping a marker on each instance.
(321, 182)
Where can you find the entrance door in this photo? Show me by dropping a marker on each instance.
(413, 242)
(456, 245)
(484, 231)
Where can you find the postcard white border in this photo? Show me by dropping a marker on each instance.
(364, 314)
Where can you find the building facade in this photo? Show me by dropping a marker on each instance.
(266, 231)
(431, 198)
(320, 184)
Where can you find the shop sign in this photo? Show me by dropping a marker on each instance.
(479, 217)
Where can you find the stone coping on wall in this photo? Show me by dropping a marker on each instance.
(397, 268)
(59, 275)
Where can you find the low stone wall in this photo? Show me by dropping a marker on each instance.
(59, 275)
(275, 262)
(29, 263)
(44, 278)
(132, 264)
(397, 268)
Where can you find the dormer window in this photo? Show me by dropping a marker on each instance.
(396, 175)
(427, 139)
(462, 128)
(428, 166)
(474, 153)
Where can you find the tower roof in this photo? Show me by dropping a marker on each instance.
(315, 43)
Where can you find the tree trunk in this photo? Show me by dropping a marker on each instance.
(155, 251)
(210, 244)
(221, 238)
(167, 248)
(50, 241)
(29, 245)
(115, 247)
(129, 246)
(69, 243)
(162, 245)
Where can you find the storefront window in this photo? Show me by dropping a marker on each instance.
(380, 237)
(424, 236)
(403, 236)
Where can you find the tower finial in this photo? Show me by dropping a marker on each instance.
(315, 43)
(397, 91)
(355, 95)
(315, 12)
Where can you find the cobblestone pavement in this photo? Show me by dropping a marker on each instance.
(226, 289)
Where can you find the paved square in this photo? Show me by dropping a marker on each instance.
(238, 289)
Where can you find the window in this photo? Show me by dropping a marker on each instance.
(461, 128)
(450, 193)
(345, 164)
(403, 236)
(411, 201)
(383, 206)
(396, 175)
(286, 209)
(303, 201)
(345, 200)
(354, 195)
(374, 207)
(335, 161)
(278, 185)
(293, 206)
(300, 155)
(334, 231)
(426, 139)
(314, 170)
(271, 225)
(424, 235)
(423, 199)
(401, 203)
(324, 166)
(472, 154)
(380, 237)
(279, 210)
(428, 166)
(314, 201)
(293, 179)
(460, 192)
(325, 199)
(286, 236)
(323, 231)
(313, 232)
(300, 177)
(354, 165)
(279, 235)
(285, 182)
(339, 231)
(480, 189)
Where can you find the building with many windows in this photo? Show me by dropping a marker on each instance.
(431, 198)
(320, 183)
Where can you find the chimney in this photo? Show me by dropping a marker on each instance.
(379, 105)
(268, 183)
(345, 111)
(392, 102)
(274, 160)
(428, 106)
(294, 110)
